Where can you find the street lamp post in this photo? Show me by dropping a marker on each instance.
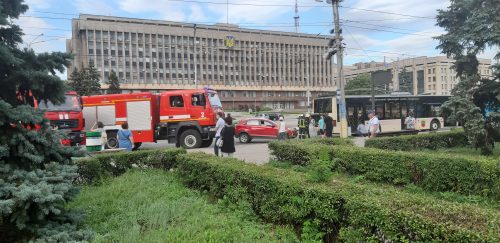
(31, 42)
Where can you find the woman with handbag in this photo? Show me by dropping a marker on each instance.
(227, 136)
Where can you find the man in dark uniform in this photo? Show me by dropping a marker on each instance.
(328, 126)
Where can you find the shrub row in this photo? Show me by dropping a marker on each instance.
(346, 211)
(435, 140)
(433, 172)
(98, 167)
(302, 152)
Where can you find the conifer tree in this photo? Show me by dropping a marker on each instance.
(472, 26)
(85, 82)
(36, 171)
(114, 84)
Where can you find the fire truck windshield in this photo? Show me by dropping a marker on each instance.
(214, 100)
(71, 103)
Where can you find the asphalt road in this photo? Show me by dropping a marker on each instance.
(255, 152)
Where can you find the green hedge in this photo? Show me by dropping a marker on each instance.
(98, 167)
(433, 172)
(347, 211)
(302, 152)
(435, 140)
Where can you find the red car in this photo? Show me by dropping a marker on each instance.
(250, 128)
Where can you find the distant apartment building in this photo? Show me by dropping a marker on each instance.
(424, 75)
(248, 67)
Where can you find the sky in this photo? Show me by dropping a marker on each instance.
(372, 30)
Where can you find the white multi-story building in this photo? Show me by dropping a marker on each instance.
(426, 75)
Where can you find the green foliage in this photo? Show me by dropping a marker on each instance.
(405, 78)
(343, 210)
(311, 232)
(99, 168)
(471, 28)
(298, 153)
(114, 83)
(432, 141)
(154, 206)
(360, 85)
(320, 169)
(36, 171)
(433, 172)
(85, 82)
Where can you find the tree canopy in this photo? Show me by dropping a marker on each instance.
(36, 171)
(472, 26)
(360, 85)
(114, 84)
(85, 82)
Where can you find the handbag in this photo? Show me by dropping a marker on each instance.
(220, 142)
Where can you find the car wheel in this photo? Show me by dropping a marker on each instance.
(245, 138)
(190, 139)
(434, 125)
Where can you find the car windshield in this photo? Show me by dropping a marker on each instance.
(214, 100)
(70, 103)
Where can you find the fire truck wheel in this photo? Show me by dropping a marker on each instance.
(136, 146)
(206, 143)
(112, 142)
(190, 139)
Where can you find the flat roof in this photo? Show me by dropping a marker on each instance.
(218, 26)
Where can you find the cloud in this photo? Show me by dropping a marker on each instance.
(32, 28)
(94, 7)
(197, 14)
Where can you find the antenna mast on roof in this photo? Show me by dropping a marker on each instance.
(296, 17)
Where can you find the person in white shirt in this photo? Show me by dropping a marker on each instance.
(373, 125)
(219, 126)
(410, 122)
(282, 129)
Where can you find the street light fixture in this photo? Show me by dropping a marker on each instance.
(31, 42)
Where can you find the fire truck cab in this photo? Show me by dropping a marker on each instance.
(188, 117)
(183, 117)
(66, 116)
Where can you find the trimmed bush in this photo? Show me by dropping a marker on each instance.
(435, 140)
(433, 172)
(101, 166)
(346, 211)
(303, 152)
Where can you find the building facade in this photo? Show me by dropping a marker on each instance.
(250, 68)
(424, 75)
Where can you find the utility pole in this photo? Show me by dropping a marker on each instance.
(195, 59)
(340, 69)
(296, 17)
(373, 91)
(335, 47)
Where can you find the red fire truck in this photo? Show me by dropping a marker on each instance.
(184, 117)
(66, 116)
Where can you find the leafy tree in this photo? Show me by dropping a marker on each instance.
(114, 84)
(360, 85)
(36, 171)
(472, 26)
(405, 84)
(85, 81)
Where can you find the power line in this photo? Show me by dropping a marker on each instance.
(384, 12)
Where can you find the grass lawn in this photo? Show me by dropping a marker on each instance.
(469, 151)
(153, 206)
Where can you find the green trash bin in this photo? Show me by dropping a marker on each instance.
(93, 141)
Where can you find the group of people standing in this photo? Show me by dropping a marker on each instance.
(224, 137)
(324, 126)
